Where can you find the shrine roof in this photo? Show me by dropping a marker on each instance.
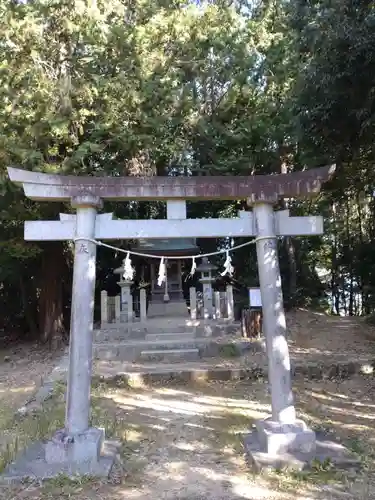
(167, 246)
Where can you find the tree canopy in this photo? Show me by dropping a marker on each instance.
(140, 87)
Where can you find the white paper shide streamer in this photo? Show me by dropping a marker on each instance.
(193, 267)
(162, 272)
(228, 267)
(128, 268)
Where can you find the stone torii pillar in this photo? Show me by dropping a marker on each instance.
(82, 316)
(281, 435)
(77, 447)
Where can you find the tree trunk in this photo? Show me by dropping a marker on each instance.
(51, 304)
(292, 261)
(363, 279)
(29, 316)
(349, 256)
(334, 267)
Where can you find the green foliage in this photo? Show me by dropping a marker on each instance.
(145, 88)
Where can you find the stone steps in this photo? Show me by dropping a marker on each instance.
(199, 328)
(169, 355)
(179, 371)
(166, 337)
(171, 340)
(131, 350)
(149, 372)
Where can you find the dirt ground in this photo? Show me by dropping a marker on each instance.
(22, 370)
(185, 441)
(316, 337)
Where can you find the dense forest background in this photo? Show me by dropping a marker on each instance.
(157, 87)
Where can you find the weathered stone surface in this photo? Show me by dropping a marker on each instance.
(84, 447)
(276, 438)
(170, 355)
(82, 315)
(165, 337)
(190, 371)
(274, 323)
(131, 350)
(39, 186)
(240, 226)
(45, 460)
(325, 449)
(160, 326)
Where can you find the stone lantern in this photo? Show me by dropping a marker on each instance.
(206, 269)
(126, 298)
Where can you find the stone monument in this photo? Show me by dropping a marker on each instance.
(126, 297)
(206, 269)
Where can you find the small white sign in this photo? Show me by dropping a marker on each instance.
(255, 299)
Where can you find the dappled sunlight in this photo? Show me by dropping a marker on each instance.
(191, 438)
(196, 405)
(198, 426)
(170, 392)
(133, 435)
(17, 390)
(352, 427)
(123, 406)
(159, 417)
(349, 412)
(194, 439)
(327, 395)
(172, 406)
(191, 446)
(127, 494)
(228, 403)
(211, 474)
(185, 440)
(314, 313)
(312, 350)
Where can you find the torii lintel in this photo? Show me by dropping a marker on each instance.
(256, 188)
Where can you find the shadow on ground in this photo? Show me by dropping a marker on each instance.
(185, 442)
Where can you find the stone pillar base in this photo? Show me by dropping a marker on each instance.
(294, 447)
(85, 454)
(85, 447)
(276, 438)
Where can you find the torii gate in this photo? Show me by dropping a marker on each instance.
(79, 444)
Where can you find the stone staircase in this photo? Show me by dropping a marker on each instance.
(172, 340)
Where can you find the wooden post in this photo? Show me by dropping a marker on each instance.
(251, 322)
(104, 308)
(117, 309)
(193, 303)
(142, 304)
(230, 304)
(217, 301)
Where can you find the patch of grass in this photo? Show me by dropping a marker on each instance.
(63, 486)
(356, 446)
(18, 432)
(229, 351)
(320, 473)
